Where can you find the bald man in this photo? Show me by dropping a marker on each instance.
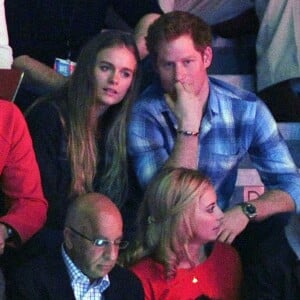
(86, 265)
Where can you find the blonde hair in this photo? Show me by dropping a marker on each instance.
(164, 217)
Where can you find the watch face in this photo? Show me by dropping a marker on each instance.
(249, 210)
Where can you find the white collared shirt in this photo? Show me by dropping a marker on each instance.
(82, 288)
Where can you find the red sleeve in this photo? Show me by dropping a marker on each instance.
(19, 173)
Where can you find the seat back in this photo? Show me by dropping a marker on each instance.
(10, 81)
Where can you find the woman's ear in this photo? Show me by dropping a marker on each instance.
(207, 56)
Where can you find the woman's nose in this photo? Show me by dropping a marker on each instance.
(114, 78)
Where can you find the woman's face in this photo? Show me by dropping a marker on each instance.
(114, 72)
(206, 217)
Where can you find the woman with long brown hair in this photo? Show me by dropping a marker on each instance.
(79, 132)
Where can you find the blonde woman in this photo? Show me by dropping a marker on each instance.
(176, 256)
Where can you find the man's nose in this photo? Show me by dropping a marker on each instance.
(179, 73)
(112, 252)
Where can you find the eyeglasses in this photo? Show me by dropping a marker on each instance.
(102, 243)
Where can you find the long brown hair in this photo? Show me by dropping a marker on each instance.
(75, 102)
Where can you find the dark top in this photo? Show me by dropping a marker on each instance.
(45, 29)
(275, 273)
(50, 145)
(47, 278)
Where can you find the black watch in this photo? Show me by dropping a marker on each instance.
(10, 232)
(249, 210)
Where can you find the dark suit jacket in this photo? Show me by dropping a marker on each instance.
(275, 274)
(46, 278)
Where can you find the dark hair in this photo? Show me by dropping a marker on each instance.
(175, 24)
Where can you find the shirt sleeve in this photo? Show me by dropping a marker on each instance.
(20, 176)
(271, 157)
(149, 142)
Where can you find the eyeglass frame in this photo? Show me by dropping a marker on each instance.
(120, 244)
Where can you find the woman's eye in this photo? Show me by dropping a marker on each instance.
(211, 209)
(126, 74)
(104, 68)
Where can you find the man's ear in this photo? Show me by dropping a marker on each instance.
(68, 238)
(207, 56)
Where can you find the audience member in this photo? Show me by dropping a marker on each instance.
(173, 256)
(277, 46)
(23, 206)
(190, 120)
(6, 57)
(131, 11)
(85, 267)
(140, 33)
(41, 32)
(278, 57)
(79, 132)
(277, 276)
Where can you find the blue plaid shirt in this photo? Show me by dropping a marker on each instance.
(82, 288)
(236, 123)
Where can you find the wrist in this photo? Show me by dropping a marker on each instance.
(10, 233)
(187, 132)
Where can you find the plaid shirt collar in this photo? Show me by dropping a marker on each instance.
(76, 276)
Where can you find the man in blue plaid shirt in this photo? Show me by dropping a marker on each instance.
(188, 119)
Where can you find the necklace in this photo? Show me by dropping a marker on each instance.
(194, 280)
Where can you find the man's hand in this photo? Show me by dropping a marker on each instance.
(3, 237)
(186, 105)
(233, 223)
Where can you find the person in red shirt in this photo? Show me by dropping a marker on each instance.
(25, 208)
(176, 256)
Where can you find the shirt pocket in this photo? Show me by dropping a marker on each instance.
(223, 157)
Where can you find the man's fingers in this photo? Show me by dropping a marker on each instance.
(226, 237)
(170, 101)
(184, 86)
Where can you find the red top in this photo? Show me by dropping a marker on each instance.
(19, 174)
(218, 277)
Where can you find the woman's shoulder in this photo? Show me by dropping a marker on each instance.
(224, 252)
(226, 259)
(225, 248)
(147, 267)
